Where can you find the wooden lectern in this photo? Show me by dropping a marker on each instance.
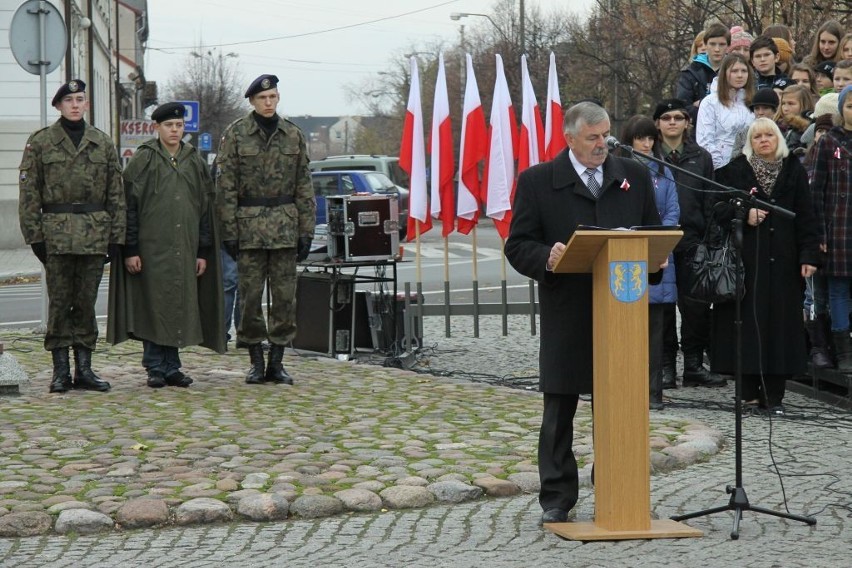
(620, 315)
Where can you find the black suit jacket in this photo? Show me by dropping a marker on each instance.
(550, 201)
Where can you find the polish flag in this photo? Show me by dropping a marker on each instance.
(471, 152)
(499, 176)
(531, 148)
(412, 158)
(441, 150)
(554, 138)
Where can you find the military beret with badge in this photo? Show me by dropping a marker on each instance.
(69, 88)
(262, 83)
(168, 111)
(667, 105)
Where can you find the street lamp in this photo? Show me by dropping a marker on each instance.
(456, 16)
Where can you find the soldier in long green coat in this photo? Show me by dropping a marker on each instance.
(169, 293)
(268, 214)
(71, 211)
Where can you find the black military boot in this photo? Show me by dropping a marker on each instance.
(820, 356)
(843, 349)
(695, 374)
(255, 374)
(275, 372)
(669, 371)
(84, 377)
(61, 381)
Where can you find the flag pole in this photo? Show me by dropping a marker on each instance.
(503, 289)
(475, 268)
(446, 287)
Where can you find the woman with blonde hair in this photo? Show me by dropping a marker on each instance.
(777, 252)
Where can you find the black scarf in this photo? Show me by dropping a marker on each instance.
(74, 129)
(268, 125)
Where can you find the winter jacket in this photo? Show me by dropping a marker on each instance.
(666, 198)
(717, 124)
(693, 193)
(832, 190)
(693, 83)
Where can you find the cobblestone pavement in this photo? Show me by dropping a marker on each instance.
(811, 447)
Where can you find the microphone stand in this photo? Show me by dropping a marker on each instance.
(738, 502)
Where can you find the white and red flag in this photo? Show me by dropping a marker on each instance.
(554, 138)
(499, 177)
(471, 152)
(412, 158)
(441, 150)
(531, 147)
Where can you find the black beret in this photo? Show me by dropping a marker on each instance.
(781, 83)
(168, 111)
(826, 68)
(262, 83)
(764, 97)
(74, 86)
(666, 105)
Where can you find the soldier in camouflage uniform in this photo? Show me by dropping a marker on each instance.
(268, 214)
(72, 213)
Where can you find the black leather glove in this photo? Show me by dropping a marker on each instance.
(304, 248)
(40, 250)
(113, 253)
(232, 248)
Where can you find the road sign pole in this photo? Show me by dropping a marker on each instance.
(42, 74)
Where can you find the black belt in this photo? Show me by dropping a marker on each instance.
(72, 207)
(264, 201)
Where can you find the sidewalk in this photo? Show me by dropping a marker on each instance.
(346, 432)
(18, 262)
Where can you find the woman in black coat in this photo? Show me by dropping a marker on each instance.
(777, 254)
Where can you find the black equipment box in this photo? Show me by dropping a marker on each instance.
(362, 227)
(386, 321)
(325, 313)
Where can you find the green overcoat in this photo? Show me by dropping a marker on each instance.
(171, 207)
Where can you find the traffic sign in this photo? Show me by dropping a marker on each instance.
(205, 142)
(191, 118)
(25, 34)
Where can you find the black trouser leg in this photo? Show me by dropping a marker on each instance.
(655, 355)
(557, 465)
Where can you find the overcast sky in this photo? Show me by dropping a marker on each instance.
(312, 68)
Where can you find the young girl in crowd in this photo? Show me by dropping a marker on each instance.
(832, 180)
(801, 74)
(844, 48)
(794, 116)
(725, 112)
(826, 41)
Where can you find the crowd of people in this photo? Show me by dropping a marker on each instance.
(180, 242)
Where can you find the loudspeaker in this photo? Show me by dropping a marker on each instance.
(387, 325)
(325, 313)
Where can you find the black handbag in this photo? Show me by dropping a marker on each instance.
(714, 264)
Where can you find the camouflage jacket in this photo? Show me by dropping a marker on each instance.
(53, 171)
(254, 166)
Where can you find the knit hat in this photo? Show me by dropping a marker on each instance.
(785, 52)
(841, 97)
(764, 97)
(824, 122)
(739, 38)
(826, 104)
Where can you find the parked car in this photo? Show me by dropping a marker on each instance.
(388, 165)
(349, 182)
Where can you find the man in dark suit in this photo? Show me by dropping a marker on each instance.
(583, 185)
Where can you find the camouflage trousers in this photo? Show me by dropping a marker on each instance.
(72, 289)
(277, 268)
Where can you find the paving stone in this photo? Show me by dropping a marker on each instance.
(495, 487)
(527, 481)
(83, 521)
(65, 505)
(454, 491)
(255, 481)
(406, 497)
(263, 507)
(314, 506)
(203, 510)
(23, 524)
(360, 500)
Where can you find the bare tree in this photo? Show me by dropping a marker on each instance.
(212, 78)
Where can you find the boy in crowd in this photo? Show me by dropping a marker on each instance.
(694, 81)
(842, 74)
(824, 74)
(764, 60)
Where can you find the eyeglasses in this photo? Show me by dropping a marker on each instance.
(672, 117)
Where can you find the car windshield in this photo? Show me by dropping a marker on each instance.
(379, 182)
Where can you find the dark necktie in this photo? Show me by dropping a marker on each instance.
(592, 183)
(674, 157)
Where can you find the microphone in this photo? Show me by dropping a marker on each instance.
(613, 143)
